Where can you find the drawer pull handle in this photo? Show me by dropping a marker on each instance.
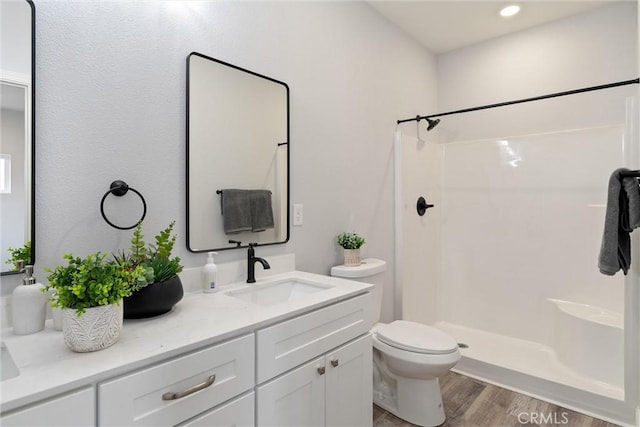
(187, 392)
(335, 363)
(321, 370)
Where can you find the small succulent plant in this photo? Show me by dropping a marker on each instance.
(155, 259)
(350, 240)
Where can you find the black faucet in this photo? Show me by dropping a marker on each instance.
(251, 266)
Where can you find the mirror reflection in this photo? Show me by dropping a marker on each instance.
(237, 156)
(17, 126)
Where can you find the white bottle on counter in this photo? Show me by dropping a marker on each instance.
(28, 305)
(209, 273)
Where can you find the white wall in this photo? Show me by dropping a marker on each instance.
(588, 49)
(111, 105)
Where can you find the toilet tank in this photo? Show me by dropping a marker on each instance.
(371, 270)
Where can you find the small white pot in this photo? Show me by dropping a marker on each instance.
(96, 329)
(352, 257)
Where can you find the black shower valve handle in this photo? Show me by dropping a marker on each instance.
(422, 206)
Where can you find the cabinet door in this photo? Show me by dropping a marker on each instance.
(349, 383)
(73, 409)
(237, 413)
(294, 399)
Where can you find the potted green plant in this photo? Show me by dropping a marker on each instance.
(20, 254)
(351, 243)
(90, 291)
(160, 287)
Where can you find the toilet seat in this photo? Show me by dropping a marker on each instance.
(416, 338)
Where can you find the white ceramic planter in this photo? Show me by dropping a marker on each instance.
(96, 329)
(352, 257)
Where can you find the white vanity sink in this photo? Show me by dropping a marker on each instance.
(279, 292)
(8, 368)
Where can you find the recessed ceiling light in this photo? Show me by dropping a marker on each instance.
(510, 10)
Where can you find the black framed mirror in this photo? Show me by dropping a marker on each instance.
(17, 152)
(237, 156)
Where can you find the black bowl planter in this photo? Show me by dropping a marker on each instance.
(154, 299)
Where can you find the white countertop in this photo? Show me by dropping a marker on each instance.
(47, 367)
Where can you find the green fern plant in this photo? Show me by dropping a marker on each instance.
(20, 254)
(90, 282)
(350, 240)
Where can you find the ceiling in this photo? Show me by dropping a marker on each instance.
(442, 25)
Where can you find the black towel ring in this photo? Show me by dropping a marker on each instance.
(120, 188)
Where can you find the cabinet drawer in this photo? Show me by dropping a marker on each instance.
(137, 398)
(293, 342)
(74, 409)
(239, 412)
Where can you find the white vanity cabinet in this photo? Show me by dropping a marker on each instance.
(331, 382)
(76, 408)
(302, 362)
(179, 389)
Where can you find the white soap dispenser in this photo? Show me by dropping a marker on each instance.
(209, 273)
(28, 305)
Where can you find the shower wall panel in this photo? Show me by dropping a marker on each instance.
(421, 254)
(522, 220)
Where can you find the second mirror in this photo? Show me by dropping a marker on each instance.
(237, 156)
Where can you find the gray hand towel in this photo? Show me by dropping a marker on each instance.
(631, 211)
(621, 216)
(236, 211)
(261, 210)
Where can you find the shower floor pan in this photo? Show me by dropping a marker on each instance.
(533, 369)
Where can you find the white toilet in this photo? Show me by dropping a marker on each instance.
(408, 357)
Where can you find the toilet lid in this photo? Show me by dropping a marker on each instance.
(416, 338)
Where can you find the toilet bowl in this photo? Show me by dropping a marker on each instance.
(408, 357)
(408, 385)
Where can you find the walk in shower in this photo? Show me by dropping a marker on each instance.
(506, 260)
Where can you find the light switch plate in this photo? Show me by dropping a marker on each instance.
(297, 214)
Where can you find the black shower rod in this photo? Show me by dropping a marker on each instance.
(519, 101)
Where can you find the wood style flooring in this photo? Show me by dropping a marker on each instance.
(472, 403)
